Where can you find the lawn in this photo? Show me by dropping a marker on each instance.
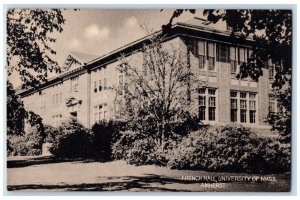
(50, 174)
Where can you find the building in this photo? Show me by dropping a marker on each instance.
(83, 91)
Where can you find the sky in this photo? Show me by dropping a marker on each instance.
(99, 31)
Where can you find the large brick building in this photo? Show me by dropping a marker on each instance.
(83, 91)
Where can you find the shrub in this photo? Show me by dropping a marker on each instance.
(137, 149)
(103, 134)
(229, 148)
(50, 133)
(72, 141)
(123, 143)
(28, 144)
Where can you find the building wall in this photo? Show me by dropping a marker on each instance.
(92, 105)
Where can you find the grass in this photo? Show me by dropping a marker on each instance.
(50, 174)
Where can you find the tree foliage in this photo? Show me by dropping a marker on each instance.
(29, 43)
(28, 56)
(156, 90)
(272, 34)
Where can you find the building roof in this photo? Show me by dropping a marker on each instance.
(77, 57)
(83, 58)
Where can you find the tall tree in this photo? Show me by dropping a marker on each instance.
(156, 89)
(28, 56)
(272, 34)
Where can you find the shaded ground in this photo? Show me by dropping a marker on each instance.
(50, 174)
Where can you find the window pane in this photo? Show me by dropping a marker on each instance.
(271, 106)
(252, 116)
(271, 71)
(201, 91)
(232, 54)
(252, 95)
(211, 63)
(233, 66)
(202, 101)
(212, 114)
(243, 116)
(211, 50)
(201, 62)
(233, 115)
(201, 48)
(243, 104)
(233, 94)
(241, 55)
(211, 92)
(252, 105)
(243, 95)
(202, 113)
(212, 101)
(223, 52)
(104, 84)
(234, 103)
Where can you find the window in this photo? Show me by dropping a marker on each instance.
(207, 109)
(104, 84)
(95, 86)
(243, 107)
(233, 106)
(211, 56)
(243, 104)
(201, 54)
(74, 84)
(100, 85)
(222, 52)
(271, 67)
(233, 58)
(100, 112)
(242, 55)
(272, 104)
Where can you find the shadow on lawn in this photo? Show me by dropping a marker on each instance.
(148, 182)
(42, 160)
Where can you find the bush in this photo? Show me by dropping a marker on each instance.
(28, 144)
(72, 141)
(123, 144)
(229, 148)
(103, 134)
(137, 149)
(50, 133)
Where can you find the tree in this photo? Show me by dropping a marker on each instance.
(29, 56)
(272, 34)
(156, 90)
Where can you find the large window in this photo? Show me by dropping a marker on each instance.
(243, 107)
(207, 104)
(100, 113)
